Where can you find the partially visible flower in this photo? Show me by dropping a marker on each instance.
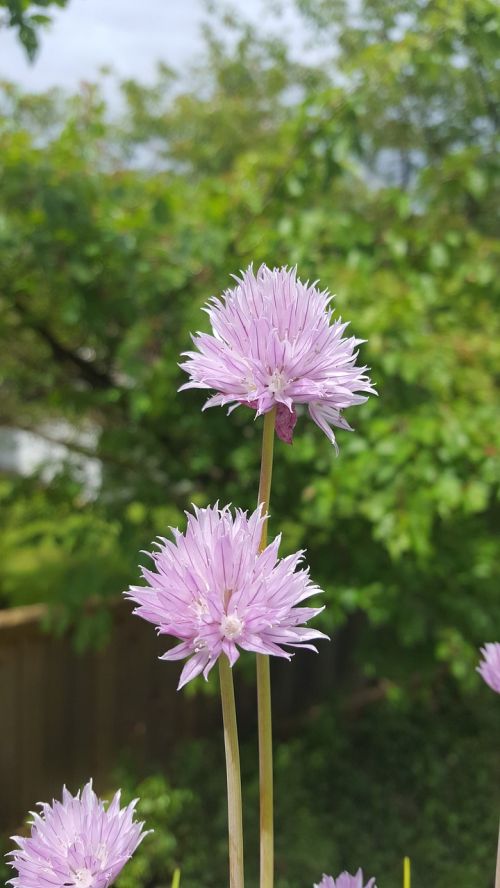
(273, 344)
(489, 668)
(212, 589)
(76, 843)
(346, 881)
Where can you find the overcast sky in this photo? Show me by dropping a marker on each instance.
(129, 35)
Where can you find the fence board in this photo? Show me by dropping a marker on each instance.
(30, 741)
(9, 757)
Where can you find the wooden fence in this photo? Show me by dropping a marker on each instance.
(65, 717)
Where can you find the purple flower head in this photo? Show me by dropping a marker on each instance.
(273, 344)
(76, 843)
(212, 589)
(346, 881)
(489, 668)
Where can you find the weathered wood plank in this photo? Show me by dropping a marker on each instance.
(10, 762)
(31, 704)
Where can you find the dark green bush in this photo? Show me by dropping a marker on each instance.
(359, 789)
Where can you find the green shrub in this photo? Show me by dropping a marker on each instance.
(360, 789)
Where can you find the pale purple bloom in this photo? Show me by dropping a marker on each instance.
(273, 343)
(489, 668)
(346, 881)
(213, 590)
(76, 843)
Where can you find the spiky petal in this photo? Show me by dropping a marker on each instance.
(346, 881)
(273, 343)
(213, 590)
(76, 843)
(489, 667)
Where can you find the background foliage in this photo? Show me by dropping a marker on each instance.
(377, 174)
(364, 796)
(373, 167)
(27, 18)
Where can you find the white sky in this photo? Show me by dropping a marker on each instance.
(129, 35)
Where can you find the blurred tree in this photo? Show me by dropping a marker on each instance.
(27, 17)
(425, 76)
(375, 172)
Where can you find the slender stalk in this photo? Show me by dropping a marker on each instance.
(266, 468)
(497, 876)
(265, 771)
(176, 881)
(234, 806)
(264, 685)
(406, 873)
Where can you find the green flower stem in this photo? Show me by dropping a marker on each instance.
(497, 876)
(406, 873)
(265, 771)
(266, 468)
(234, 805)
(264, 685)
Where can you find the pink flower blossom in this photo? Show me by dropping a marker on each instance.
(489, 667)
(346, 881)
(273, 344)
(213, 590)
(76, 843)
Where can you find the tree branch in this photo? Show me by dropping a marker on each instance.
(95, 376)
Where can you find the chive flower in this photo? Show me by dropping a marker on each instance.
(76, 843)
(346, 881)
(273, 344)
(213, 590)
(489, 667)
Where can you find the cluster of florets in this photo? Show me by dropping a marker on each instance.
(346, 881)
(214, 590)
(273, 344)
(489, 667)
(76, 843)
